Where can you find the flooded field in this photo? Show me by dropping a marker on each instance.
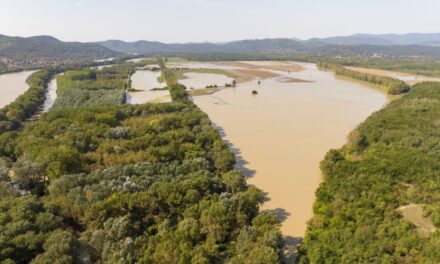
(143, 81)
(282, 133)
(12, 85)
(201, 80)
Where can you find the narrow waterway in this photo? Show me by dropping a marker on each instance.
(282, 133)
(12, 85)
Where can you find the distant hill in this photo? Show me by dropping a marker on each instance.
(353, 40)
(359, 46)
(47, 47)
(39, 51)
(383, 39)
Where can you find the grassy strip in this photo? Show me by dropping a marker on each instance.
(180, 75)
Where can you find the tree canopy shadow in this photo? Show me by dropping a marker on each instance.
(279, 213)
(290, 251)
(240, 162)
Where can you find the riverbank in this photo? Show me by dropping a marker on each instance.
(281, 134)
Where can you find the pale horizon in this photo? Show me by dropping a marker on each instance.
(183, 21)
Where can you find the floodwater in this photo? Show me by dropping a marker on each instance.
(144, 81)
(12, 85)
(104, 60)
(201, 80)
(281, 134)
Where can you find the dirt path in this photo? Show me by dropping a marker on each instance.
(413, 213)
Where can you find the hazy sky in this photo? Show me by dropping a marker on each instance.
(214, 20)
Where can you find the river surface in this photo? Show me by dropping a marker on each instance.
(12, 85)
(281, 134)
(144, 81)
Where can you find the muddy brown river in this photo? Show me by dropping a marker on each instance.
(281, 134)
(12, 85)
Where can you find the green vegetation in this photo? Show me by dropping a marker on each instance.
(151, 183)
(391, 160)
(88, 87)
(27, 228)
(83, 97)
(394, 86)
(27, 104)
(172, 60)
(115, 77)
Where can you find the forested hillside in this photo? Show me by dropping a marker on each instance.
(276, 49)
(42, 51)
(111, 183)
(49, 47)
(390, 164)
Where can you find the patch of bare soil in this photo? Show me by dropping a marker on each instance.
(413, 213)
(289, 66)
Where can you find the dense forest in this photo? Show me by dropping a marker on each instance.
(390, 161)
(113, 183)
(394, 86)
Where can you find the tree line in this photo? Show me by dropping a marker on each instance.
(394, 86)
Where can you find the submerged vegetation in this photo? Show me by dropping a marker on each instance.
(110, 183)
(391, 161)
(394, 86)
